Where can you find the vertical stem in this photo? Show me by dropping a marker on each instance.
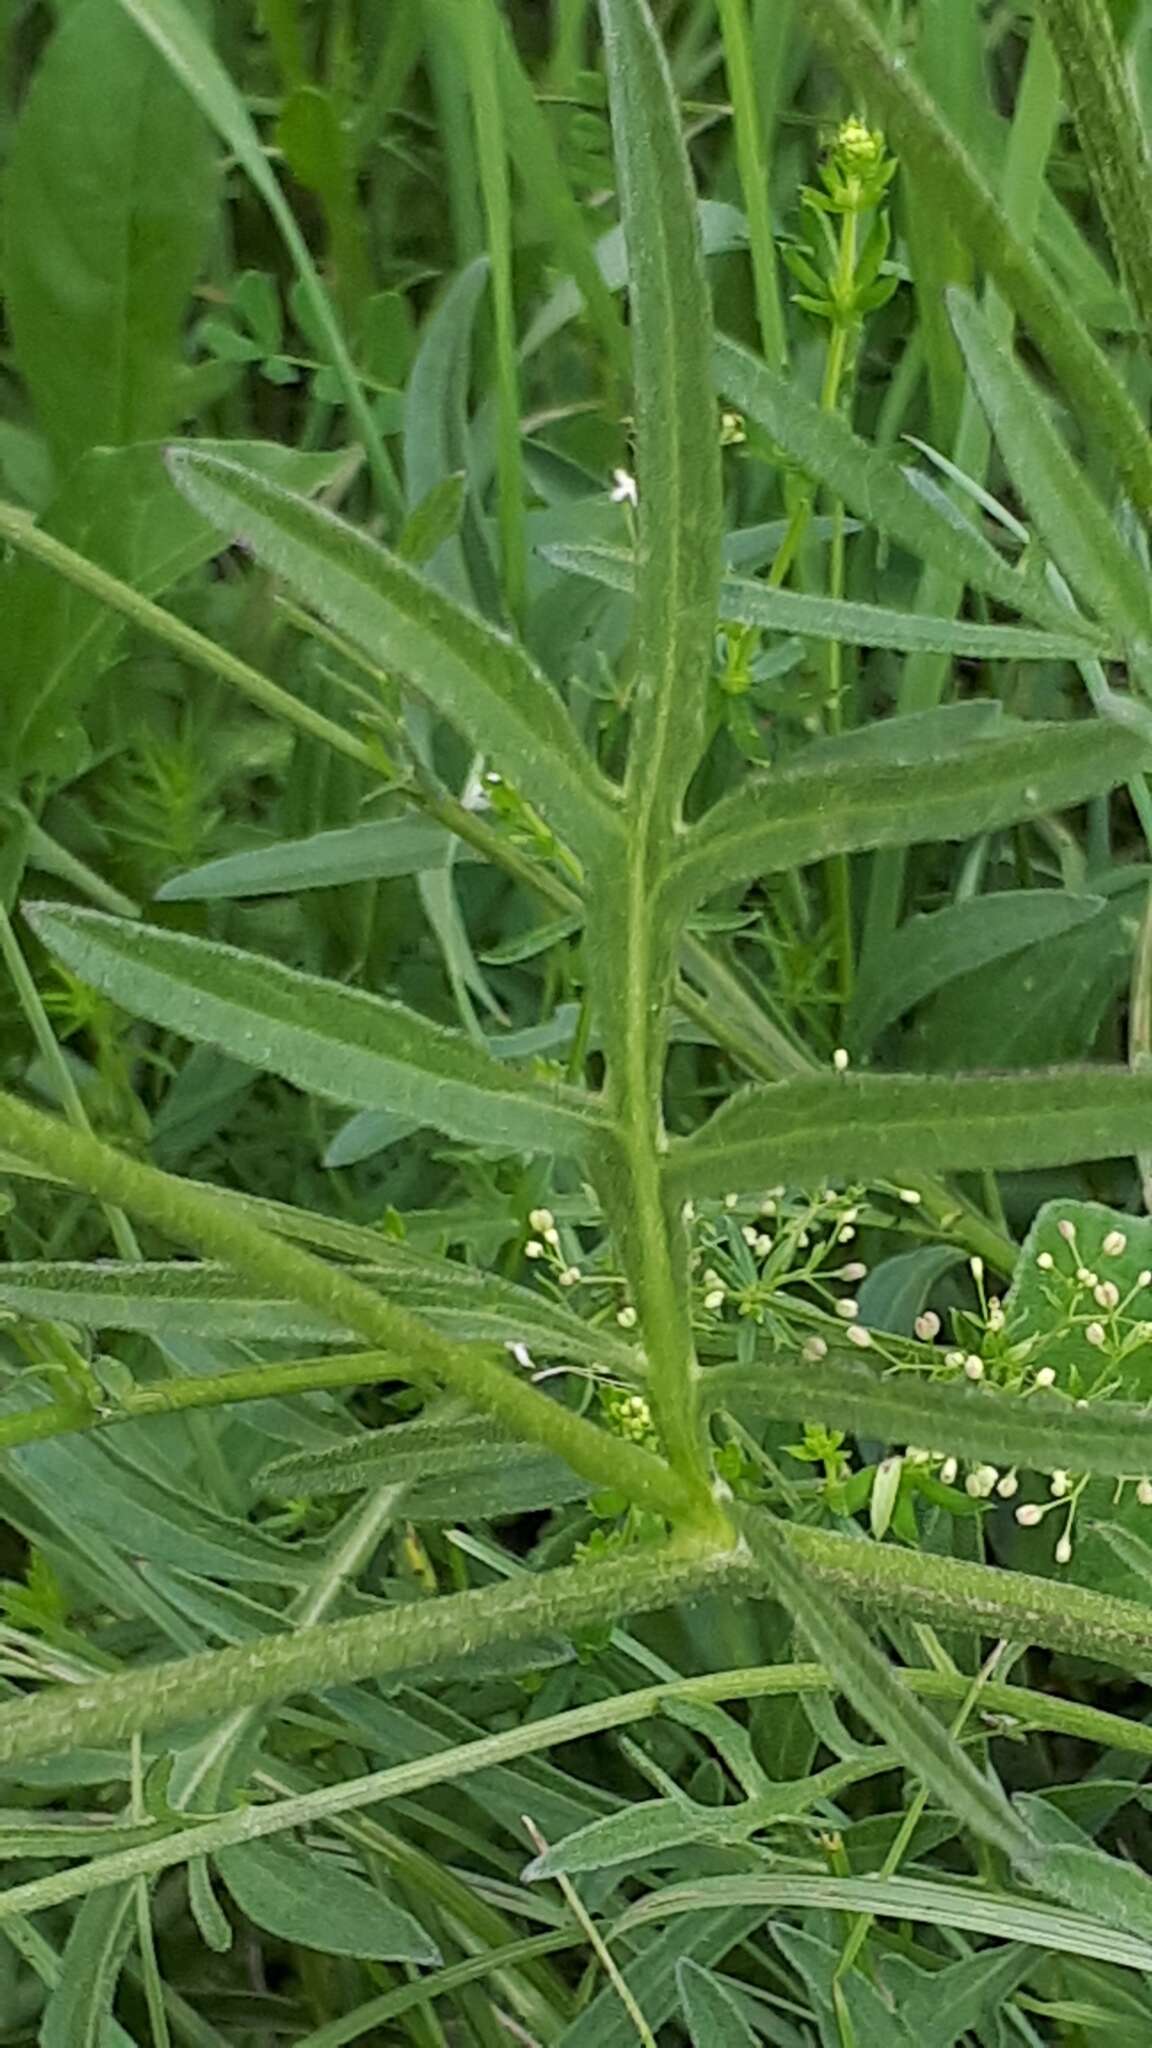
(481, 30)
(751, 158)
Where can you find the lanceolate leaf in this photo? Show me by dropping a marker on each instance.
(337, 1042)
(325, 860)
(677, 442)
(302, 1896)
(478, 679)
(876, 488)
(1075, 526)
(747, 603)
(806, 813)
(871, 1127)
(713, 2017)
(1045, 1434)
(183, 1297)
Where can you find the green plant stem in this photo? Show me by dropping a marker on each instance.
(950, 180)
(480, 28)
(184, 640)
(194, 1215)
(1023, 1709)
(1111, 132)
(753, 169)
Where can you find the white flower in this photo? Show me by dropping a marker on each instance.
(857, 1270)
(626, 1316)
(859, 1336)
(814, 1349)
(928, 1326)
(1106, 1294)
(948, 1471)
(1064, 1550)
(1114, 1244)
(1007, 1486)
(1096, 1334)
(840, 1060)
(1045, 1261)
(1029, 1515)
(848, 1308)
(1045, 1377)
(973, 1367)
(541, 1220)
(533, 1249)
(624, 491)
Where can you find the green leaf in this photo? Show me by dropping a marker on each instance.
(118, 508)
(1047, 1302)
(436, 435)
(337, 1042)
(306, 1896)
(714, 2021)
(450, 1471)
(1074, 524)
(1107, 1887)
(677, 440)
(479, 680)
(187, 1298)
(803, 814)
(108, 202)
(1042, 1434)
(928, 951)
(873, 1127)
(747, 603)
(878, 490)
(79, 2012)
(175, 34)
(1004, 1915)
(326, 860)
(867, 1679)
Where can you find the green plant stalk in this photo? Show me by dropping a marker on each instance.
(184, 640)
(1022, 1709)
(752, 165)
(933, 155)
(480, 28)
(1111, 132)
(195, 1216)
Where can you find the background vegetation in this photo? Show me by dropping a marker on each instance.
(576, 1335)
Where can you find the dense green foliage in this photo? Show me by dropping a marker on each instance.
(576, 1115)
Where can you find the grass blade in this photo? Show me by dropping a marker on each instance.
(887, 1126)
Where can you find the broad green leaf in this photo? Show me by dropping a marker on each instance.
(337, 1042)
(1046, 1300)
(802, 814)
(877, 489)
(327, 860)
(747, 603)
(848, 2006)
(175, 34)
(108, 204)
(120, 509)
(929, 951)
(866, 1678)
(306, 1896)
(873, 1127)
(652, 1979)
(677, 443)
(1006, 1916)
(895, 1291)
(714, 2021)
(915, 737)
(1043, 1434)
(1073, 522)
(479, 680)
(186, 1298)
(1108, 1887)
(939, 2006)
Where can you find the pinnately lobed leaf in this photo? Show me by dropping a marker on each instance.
(337, 1042)
(477, 678)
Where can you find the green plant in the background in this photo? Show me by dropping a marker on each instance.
(361, 1499)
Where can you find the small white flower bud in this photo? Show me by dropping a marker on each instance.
(845, 1234)
(1064, 1550)
(840, 1060)
(1058, 1485)
(570, 1276)
(953, 1358)
(1114, 1244)
(911, 1196)
(859, 1336)
(948, 1471)
(976, 1267)
(1067, 1230)
(626, 1316)
(973, 1487)
(814, 1349)
(541, 1220)
(1029, 1515)
(749, 1233)
(1045, 1261)
(1045, 1377)
(714, 1299)
(1144, 1279)
(1106, 1294)
(1086, 1276)
(1144, 1493)
(1096, 1334)
(763, 1245)
(533, 1249)
(552, 1237)
(731, 1201)
(973, 1367)
(848, 1308)
(927, 1326)
(1008, 1486)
